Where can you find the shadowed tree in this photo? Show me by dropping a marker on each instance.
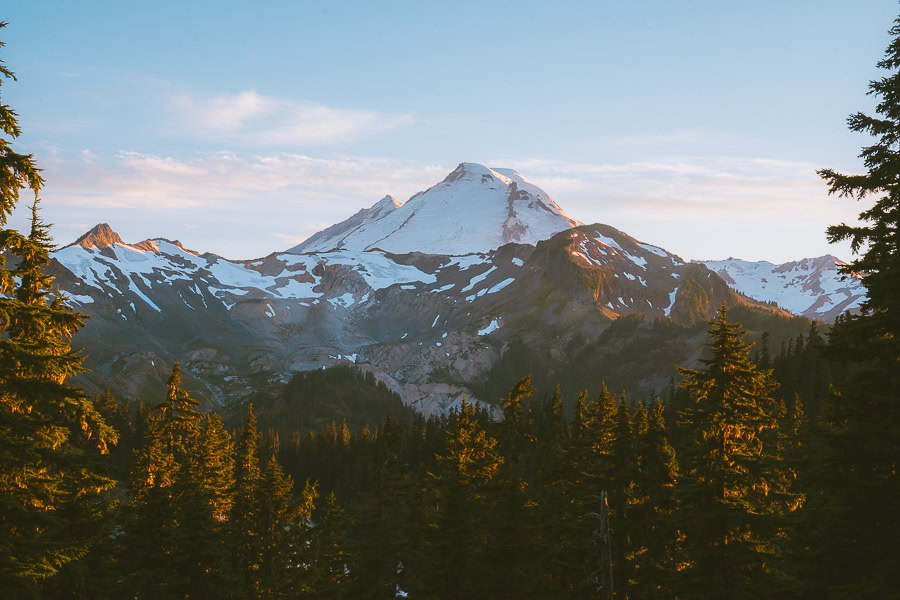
(467, 467)
(853, 507)
(734, 491)
(52, 477)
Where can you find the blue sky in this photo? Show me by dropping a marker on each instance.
(243, 129)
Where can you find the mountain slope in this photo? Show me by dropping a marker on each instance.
(811, 287)
(431, 327)
(330, 237)
(474, 209)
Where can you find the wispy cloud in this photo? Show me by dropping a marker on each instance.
(234, 205)
(247, 205)
(250, 117)
(702, 207)
(225, 179)
(673, 186)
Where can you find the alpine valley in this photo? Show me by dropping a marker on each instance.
(456, 292)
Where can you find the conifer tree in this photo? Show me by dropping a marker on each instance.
(604, 421)
(118, 418)
(552, 491)
(202, 500)
(382, 527)
(599, 470)
(141, 425)
(52, 479)
(149, 521)
(469, 464)
(795, 434)
(296, 552)
(574, 534)
(855, 507)
(328, 566)
(553, 437)
(278, 514)
(17, 171)
(590, 473)
(655, 509)
(513, 526)
(178, 483)
(515, 427)
(107, 406)
(180, 418)
(621, 492)
(245, 509)
(734, 487)
(581, 441)
(765, 359)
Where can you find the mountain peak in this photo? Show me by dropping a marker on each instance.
(99, 236)
(475, 172)
(384, 206)
(474, 209)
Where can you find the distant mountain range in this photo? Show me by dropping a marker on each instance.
(812, 287)
(448, 294)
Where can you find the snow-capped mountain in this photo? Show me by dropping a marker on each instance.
(104, 263)
(450, 294)
(474, 209)
(431, 327)
(812, 287)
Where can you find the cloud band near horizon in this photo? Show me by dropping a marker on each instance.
(291, 196)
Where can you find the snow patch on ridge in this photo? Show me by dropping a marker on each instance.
(608, 241)
(491, 327)
(654, 249)
(672, 295)
(501, 285)
(478, 279)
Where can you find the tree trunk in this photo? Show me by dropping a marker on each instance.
(603, 578)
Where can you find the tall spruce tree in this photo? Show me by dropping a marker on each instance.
(52, 482)
(297, 551)
(381, 542)
(515, 429)
(203, 498)
(150, 527)
(278, 515)
(654, 509)
(552, 493)
(512, 528)
(854, 507)
(589, 473)
(623, 473)
(245, 509)
(468, 466)
(174, 536)
(734, 487)
(328, 562)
